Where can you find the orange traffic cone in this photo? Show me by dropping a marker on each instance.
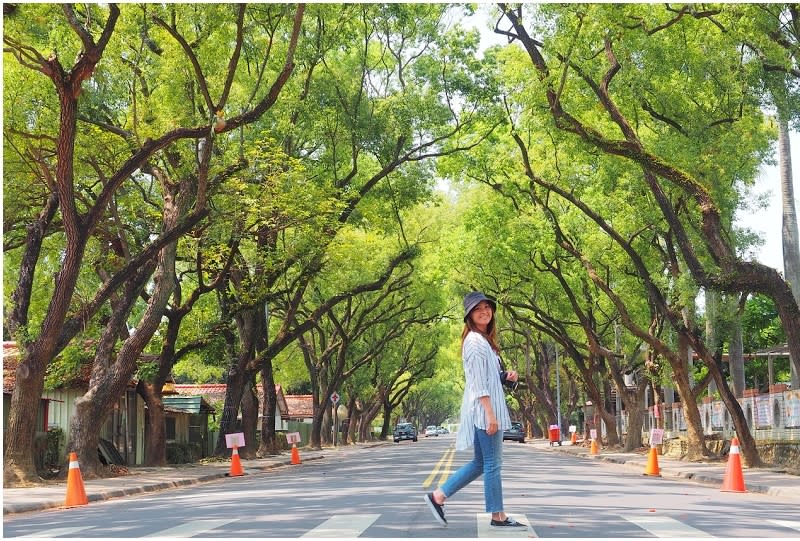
(652, 463)
(236, 464)
(295, 455)
(76, 494)
(733, 480)
(574, 438)
(594, 450)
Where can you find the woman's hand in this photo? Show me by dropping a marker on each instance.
(491, 429)
(491, 419)
(512, 375)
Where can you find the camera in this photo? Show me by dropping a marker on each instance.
(512, 385)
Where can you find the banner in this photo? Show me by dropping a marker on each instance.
(791, 403)
(763, 413)
(717, 414)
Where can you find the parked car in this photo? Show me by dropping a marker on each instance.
(405, 431)
(432, 431)
(443, 430)
(515, 433)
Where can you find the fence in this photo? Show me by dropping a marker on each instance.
(773, 416)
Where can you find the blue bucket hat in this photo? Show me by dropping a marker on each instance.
(472, 299)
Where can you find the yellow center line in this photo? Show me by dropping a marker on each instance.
(447, 458)
(446, 469)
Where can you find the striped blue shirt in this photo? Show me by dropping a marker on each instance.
(482, 378)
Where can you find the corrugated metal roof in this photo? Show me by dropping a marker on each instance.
(189, 404)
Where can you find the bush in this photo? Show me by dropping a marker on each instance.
(183, 453)
(53, 454)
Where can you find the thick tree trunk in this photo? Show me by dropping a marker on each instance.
(18, 465)
(249, 421)
(634, 405)
(790, 236)
(747, 444)
(789, 229)
(736, 356)
(85, 436)
(229, 422)
(155, 450)
(269, 410)
(697, 449)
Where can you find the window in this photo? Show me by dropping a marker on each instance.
(170, 422)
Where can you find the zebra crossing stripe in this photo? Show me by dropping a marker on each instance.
(190, 529)
(56, 532)
(791, 524)
(666, 527)
(485, 530)
(342, 526)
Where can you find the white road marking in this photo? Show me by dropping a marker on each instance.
(666, 527)
(56, 532)
(190, 529)
(791, 524)
(485, 530)
(342, 526)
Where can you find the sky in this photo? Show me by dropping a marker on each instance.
(767, 222)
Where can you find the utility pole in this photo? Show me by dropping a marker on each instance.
(619, 391)
(558, 391)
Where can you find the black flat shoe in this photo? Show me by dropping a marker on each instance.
(507, 523)
(436, 509)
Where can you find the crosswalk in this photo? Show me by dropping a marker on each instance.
(357, 525)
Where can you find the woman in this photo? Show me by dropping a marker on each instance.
(484, 415)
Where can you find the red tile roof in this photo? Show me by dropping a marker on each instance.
(301, 406)
(215, 392)
(10, 363)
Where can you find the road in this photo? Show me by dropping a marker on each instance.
(378, 493)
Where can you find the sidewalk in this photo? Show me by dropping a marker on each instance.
(146, 479)
(772, 481)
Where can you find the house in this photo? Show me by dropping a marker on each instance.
(301, 408)
(124, 428)
(124, 431)
(186, 420)
(214, 393)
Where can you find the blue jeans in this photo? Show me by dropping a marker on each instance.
(487, 461)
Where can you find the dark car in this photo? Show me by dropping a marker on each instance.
(405, 431)
(515, 433)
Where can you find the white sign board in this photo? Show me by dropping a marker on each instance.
(293, 437)
(593, 433)
(573, 428)
(234, 440)
(656, 437)
(335, 398)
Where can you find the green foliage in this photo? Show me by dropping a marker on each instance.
(761, 326)
(340, 176)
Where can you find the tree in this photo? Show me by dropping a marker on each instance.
(728, 272)
(81, 217)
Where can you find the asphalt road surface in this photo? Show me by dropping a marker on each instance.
(378, 493)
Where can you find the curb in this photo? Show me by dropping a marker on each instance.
(670, 472)
(156, 486)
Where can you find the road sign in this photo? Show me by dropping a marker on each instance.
(335, 397)
(293, 437)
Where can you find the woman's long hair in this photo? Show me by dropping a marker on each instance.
(490, 334)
